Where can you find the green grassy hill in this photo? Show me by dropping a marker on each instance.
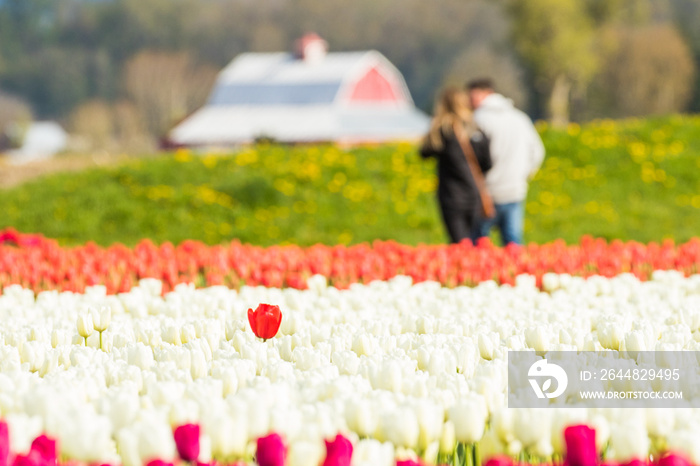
(632, 180)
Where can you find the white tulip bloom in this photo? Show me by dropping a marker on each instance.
(101, 318)
(629, 441)
(85, 326)
(469, 418)
(371, 452)
(306, 453)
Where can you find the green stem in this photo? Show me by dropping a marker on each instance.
(100, 339)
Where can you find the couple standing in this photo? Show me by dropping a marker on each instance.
(487, 151)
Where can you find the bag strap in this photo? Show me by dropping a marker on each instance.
(486, 201)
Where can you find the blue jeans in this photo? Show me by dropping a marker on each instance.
(509, 218)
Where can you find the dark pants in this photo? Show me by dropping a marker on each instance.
(459, 221)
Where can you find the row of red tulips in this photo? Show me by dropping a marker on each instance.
(271, 450)
(40, 263)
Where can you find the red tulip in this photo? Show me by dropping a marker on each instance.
(187, 441)
(265, 320)
(673, 459)
(4, 443)
(271, 450)
(338, 452)
(580, 446)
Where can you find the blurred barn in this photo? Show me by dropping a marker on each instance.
(307, 96)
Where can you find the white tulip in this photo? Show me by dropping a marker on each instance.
(430, 418)
(629, 441)
(140, 356)
(101, 318)
(128, 445)
(306, 453)
(400, 426)
(531, 425)
(229, 436)
(486, 348)
(198, 367)
(85, 326)
(371, 452)
(448, 439)
(469, 418)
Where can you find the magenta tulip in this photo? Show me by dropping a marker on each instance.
(674, 459)
(636, 462)
(45, 447)
(30, 459)
(271, 451)
(4, 443)
(580, 446)
(159, 463)
(499, 460)
(408, 463)
(338, 452)
(187, 441)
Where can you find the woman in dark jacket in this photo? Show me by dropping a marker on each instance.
(458, 185)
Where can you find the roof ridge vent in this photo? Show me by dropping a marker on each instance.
(311, 48)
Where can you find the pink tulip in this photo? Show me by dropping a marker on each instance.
(499, 460)
(187, 441)
(45, 447)
(30, 459)
(674, 459)
(271, 451)
(338, 452)
(637, 462)
(580, 446)
(4, 443)
(158, 463)
(408, 463)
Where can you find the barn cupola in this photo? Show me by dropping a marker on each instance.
(311, 48)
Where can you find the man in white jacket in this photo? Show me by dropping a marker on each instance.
(516, 152)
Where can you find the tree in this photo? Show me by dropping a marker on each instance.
(556, 39)
(650, 71)
(166, 86)
(483, 60)
(15, 116)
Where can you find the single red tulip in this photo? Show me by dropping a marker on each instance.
(338, 452)
(265, 320)
(271, 450)
(674, 459)
(580, 446)
(187, 441)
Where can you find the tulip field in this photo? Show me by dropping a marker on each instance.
(375, 355)
(297, 306)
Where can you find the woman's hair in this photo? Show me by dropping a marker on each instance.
(450, 108)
